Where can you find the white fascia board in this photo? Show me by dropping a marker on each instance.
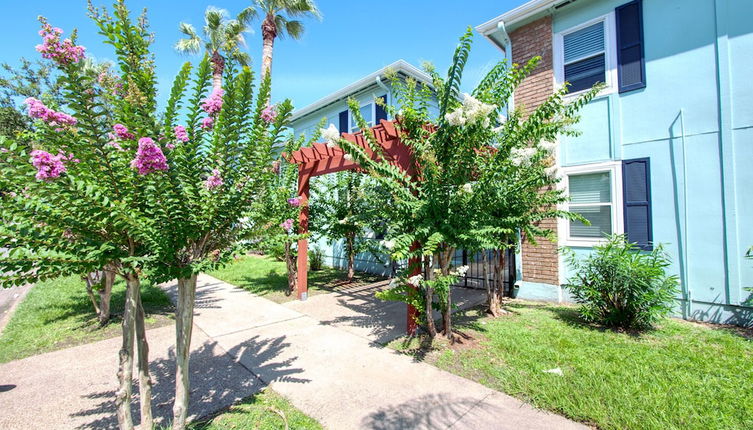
(514, 16)
(399, 66)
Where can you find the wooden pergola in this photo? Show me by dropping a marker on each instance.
(319, 159)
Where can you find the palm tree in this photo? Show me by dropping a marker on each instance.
(223, 38)
(277, 23)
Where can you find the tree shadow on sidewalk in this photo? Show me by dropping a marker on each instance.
(431, 411)
(217, 381)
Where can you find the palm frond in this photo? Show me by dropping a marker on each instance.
(294, 29)
(247, 15)
(302, 8)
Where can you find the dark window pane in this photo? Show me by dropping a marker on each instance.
(585, 73)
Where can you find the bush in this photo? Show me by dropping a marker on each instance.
(619, 286)
(316, 259)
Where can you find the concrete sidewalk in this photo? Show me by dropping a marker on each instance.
(343, 379)
(329, 367)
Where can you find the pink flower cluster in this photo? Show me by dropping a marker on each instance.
(52, 48)
(48, 166)
(287, 225)
(214, 180)
(295, 201)
(37, 109)
(149, 157)
(180, 133)
(122, 132)
(207, 123)
(213, 104)
(269, 114)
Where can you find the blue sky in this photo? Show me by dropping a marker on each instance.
(354, 39)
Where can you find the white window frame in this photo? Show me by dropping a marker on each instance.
(610, 57)
(352, 124)
(614, 168)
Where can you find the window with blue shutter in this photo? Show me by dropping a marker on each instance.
(631, 65)
(343, 122)
(380, 112)
(585, 57)
(636, 190)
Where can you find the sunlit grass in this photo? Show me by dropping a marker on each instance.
(58, 314)
(680, 376)
(267, 277)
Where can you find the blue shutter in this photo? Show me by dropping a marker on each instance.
(343, 122)
(631, 64)
(636, 193)
(380, 112)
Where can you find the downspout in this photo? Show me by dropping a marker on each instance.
(686, 285)
(388, 96)
(508, 56)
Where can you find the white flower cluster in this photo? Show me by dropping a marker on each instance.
(471, 112)
(330, 134)
(389, 244)
(553, 172)
(348, 157)
(467, 187)
(521, 156)
(548, 147)
(460, 271)
(343, 221)
(415, 280)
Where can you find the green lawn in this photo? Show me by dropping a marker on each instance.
(58, 314)
(264, 411)
(681, 376)
(267, 277)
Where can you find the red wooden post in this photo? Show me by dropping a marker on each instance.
(303, 244)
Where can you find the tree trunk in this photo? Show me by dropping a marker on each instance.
(92, 279)
(444, 263)
(145, 381)
(183, 329)
(429, 293)
(350, 249)
(105, 293)
(268, 33)
(500, 282)
(218, 67)
(485, 274)
(125, 369)
(292, 268)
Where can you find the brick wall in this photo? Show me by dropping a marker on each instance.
(540, 263)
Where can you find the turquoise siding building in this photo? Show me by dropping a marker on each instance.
(666, 151)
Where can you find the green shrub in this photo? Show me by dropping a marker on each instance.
(620, 286)
(316, 259)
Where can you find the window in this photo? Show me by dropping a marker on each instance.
(595, 193)
(367, 112)
(584, 55)
(591, 197)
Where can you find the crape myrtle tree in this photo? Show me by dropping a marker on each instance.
(134, 191)
(74, 205)
(275, 218)
(345, 209)
(480, 177)
(25, 86)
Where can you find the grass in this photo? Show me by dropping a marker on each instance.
(267, 277)
(266, 410)
(58, 314)
(680, 376)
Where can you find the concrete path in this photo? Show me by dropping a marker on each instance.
(329, 367)
(357, 310)
(9, 300)
(343, 379)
